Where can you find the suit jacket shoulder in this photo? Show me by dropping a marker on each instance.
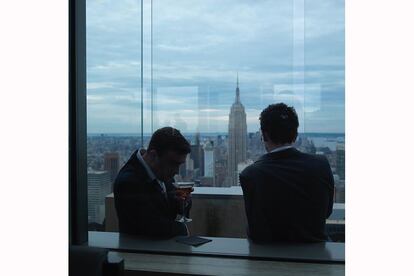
(141, 205)
(133, 177)
(288, 195)
(287, 158)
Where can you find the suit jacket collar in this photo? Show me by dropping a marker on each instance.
(133, 160)
(279, 154)
(148, 169)
(152, 183)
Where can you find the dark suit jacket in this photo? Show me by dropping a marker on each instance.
(141, 205)
(288, 195)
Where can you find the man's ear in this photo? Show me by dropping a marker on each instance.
(152, 154)
(294, 139)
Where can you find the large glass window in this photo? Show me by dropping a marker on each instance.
(209, 68)
(113, 96)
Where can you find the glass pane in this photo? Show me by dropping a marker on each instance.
(210, 68)
(113, 96)
(324, 114)
(268, 51)
(203, 51)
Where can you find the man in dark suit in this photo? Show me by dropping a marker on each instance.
(146, 200)
(288, 194)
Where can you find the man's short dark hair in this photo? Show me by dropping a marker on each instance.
(280, 122)
(169, 139)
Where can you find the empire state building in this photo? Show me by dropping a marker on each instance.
(237, 138)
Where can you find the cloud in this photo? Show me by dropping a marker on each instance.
(174, 48)
(209, 110)
(198, 49)
(99, 85)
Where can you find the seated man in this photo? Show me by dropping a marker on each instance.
(146, 201)
(288, 194)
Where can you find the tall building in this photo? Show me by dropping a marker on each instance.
(220, 170)
(241, 167)
(99, 186)
(187, 169)
(197, 155)
(237, 147)
(339, 191)
(209, 159)
(306, 145)
(111, 164)
(340, 160)
(255, 146)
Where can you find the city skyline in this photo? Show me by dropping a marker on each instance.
(148, 134)
(100, 146)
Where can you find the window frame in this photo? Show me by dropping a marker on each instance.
(78, 201)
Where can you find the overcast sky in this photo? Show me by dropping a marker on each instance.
(290, 51)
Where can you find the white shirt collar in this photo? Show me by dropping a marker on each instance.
(147, 168)
(149, 171)
(281, 148)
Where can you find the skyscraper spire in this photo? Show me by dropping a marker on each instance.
(237, 89)
(237, 141)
